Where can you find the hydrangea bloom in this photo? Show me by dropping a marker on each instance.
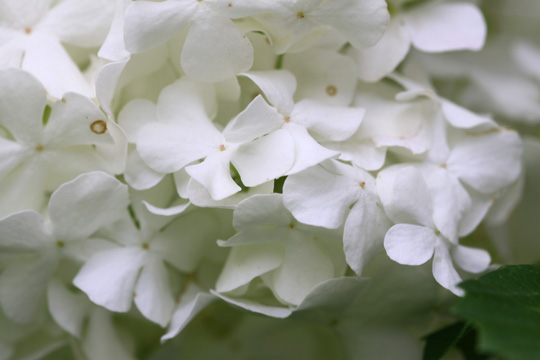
(169, 167)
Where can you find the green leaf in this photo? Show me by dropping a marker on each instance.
(441, 341)
(505, 307)
(459, 335)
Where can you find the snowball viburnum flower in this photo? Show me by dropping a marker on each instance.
(432, 27)
(215, 48)
(77, 210)
(333, 193)
(184, 133)
(415, 238)
(271, 247)
(134, 267)
(46, 146)
(362, 23)
(308, 122)
(32, 34)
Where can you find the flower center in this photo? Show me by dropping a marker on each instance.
(331, 90)
(98, 127)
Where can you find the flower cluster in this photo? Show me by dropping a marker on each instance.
(280, 156)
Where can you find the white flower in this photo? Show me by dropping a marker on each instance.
(325, 195)
(135, 267)
(32, 34)
(184, 133)
(432, 27)
(215, 48)
(308, 122)
(362, 23)
(76, 211)
(49, 145)
(273, 250)
(415, 238)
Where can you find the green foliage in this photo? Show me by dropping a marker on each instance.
(504, 306)
(459, 335)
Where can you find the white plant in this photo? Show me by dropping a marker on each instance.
(266, 154)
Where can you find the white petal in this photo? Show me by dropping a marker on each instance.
(67, 308)
(135, 115)
(527, 55)
(80, 207)
(444, 271)
(488, 162)
(181, 182)
(11, 49)
(450, 201)
(320, 198)
(46, 59)
(82, 251)
(263, 233)
(264, 159)
(364, 232)
(101, 340)
(23, 13)
(106, 83)
(304, 266)
(411, 201)
(108, 278)
(199, 196)
(361, 22)
(22, 102)
(361, 152)
(186, 102)
(191, 303)
(322, 75)
(307, 151)
(113, 47)
(139, 175)
(148, 24)
(256, 307)
(82, 23)
(327, 122)
(214, 174)
(256, 120)
(376, 62)
(22, 286)
(186, 241)
(24, 230)
(470, 259)
(76, 120)
(215, 49)
(247, 262)
(23, 188)
(447, 27)
(259, 210)
(410, 244)
(168, 148)
(278, 86)
(65, 164)
(334, 295)
(170, 211)
(154, 296)
(462, 118)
